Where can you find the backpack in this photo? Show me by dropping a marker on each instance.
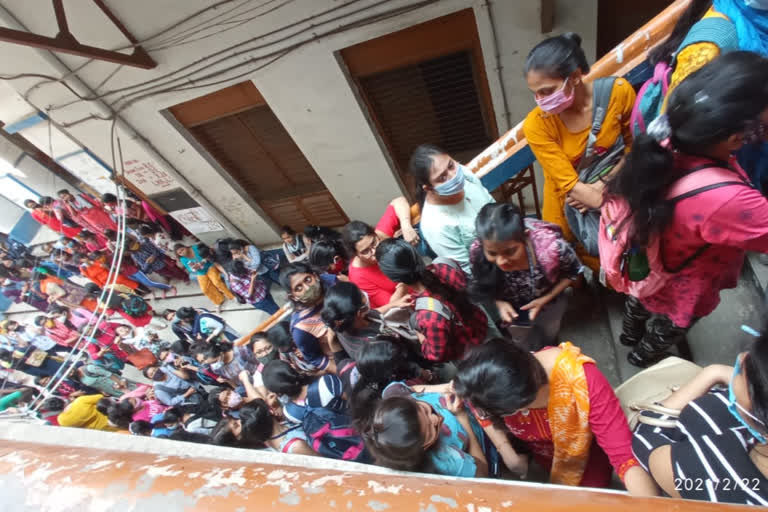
(331, 434)
(641, 272)
(650, 97)
(133, 305)
(431, 303)
(594, 166)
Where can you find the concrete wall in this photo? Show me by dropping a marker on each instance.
(307, 89)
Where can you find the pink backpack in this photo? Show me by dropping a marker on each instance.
(616, 252)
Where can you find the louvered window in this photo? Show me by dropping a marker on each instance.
(255, 149)
(433, 92)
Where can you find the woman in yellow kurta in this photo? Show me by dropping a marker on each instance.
(557, 130)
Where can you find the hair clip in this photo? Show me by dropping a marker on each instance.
(700, 97)
(749, 330)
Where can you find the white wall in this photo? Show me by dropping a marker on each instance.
(307, 90)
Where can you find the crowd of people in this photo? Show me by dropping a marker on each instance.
(435, 347)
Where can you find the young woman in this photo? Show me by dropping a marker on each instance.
(557, 130)
(258, 426)
(450, 197)
(718, 450)
(347, 312)
(306, 289)
(42, 213)
(207, 273)
(108, 347)
(86, 211)
(301, 391)
(226, 360)
(559, 404)
(329, 257)
(420, 431)
(703, 236)
(446, 330)
(524, 266)
(150, 258)
(250, 287)
(361, 240)
(105, 381)
(204, 326)
(295, 246)
(264, 264)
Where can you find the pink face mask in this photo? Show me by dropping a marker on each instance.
(558, 101)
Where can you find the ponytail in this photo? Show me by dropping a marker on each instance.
(282, 379)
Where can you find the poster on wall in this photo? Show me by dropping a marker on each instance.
(148, 176)
(197, 220)
(89, 169)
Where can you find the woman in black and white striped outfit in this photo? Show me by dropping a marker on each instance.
(718, 450)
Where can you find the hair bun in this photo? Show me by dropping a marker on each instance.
(574, 38)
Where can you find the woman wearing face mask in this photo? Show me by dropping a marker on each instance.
(702, 235)
(361, 240)
(557, 130)
(525, 266)
(450, 197)
(227, 360)
(717, 450)
(316, 342)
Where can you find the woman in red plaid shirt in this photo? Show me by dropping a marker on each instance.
(448, 323)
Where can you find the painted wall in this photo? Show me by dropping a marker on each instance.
(307, 90)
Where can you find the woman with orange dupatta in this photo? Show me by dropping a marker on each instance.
(62, 291)
(560, 405)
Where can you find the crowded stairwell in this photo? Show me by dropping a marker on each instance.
(452, 336)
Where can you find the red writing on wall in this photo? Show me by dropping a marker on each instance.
(147, 173)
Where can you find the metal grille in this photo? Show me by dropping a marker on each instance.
(257, 151)
(435, 101)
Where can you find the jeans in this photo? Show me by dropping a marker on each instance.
(267, 305)
(141, 278)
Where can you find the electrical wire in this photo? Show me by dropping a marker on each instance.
(132, 98)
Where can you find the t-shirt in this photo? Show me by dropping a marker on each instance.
(10, 400)
(187, 262)
(324, 392)
(372, 281)
(450, 228)
(308, 330)
(82, 413)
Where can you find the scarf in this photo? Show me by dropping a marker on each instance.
(568, 411)
(751, 24)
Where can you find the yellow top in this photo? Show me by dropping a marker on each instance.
(82, 413)
(559, 151)
(693, 58)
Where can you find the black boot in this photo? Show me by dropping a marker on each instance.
(633, 323)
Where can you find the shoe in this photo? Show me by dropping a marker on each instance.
(627, 341)
(636, 359)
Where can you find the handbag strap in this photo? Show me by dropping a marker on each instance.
(653, 407)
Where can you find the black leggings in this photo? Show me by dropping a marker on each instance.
(651, 334)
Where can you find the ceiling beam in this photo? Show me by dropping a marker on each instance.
(67, 43)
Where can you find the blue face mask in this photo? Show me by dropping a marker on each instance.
(735, 409)
(454, 185)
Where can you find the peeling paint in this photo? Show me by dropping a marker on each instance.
(155, 471)
(97, 466)
(441, 499)
(337, 479)
(290, 499)
(377, 506)
(428, 508)
(507, 504)
(379, 488)
(193, 475)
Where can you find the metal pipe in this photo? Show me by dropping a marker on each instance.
(499, 67)
(106, 109)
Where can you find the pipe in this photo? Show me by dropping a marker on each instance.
(105, 109)
(499, 67)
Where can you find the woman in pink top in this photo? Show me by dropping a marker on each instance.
(704, 236)
(144, 404)
(361, 240)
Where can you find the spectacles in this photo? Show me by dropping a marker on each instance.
(371, 249)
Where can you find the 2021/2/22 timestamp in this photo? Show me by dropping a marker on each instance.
(723, 484)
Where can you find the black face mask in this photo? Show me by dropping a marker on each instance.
(269, 357)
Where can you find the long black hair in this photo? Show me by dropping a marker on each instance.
(664, 51)
(756, 370)
(558, 56)
(499, 377)
(323, 252)
(719, 100)
(279, 335)
(353, 233)
(498, 222)
(401, 263)
(341, 305)
(282, 379)
(420, 166)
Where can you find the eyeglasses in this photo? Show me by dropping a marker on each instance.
(371, 249)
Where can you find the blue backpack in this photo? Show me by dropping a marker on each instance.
(331, 434)
(650, 97)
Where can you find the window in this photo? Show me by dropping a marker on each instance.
(241, 132)
(426, 84)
